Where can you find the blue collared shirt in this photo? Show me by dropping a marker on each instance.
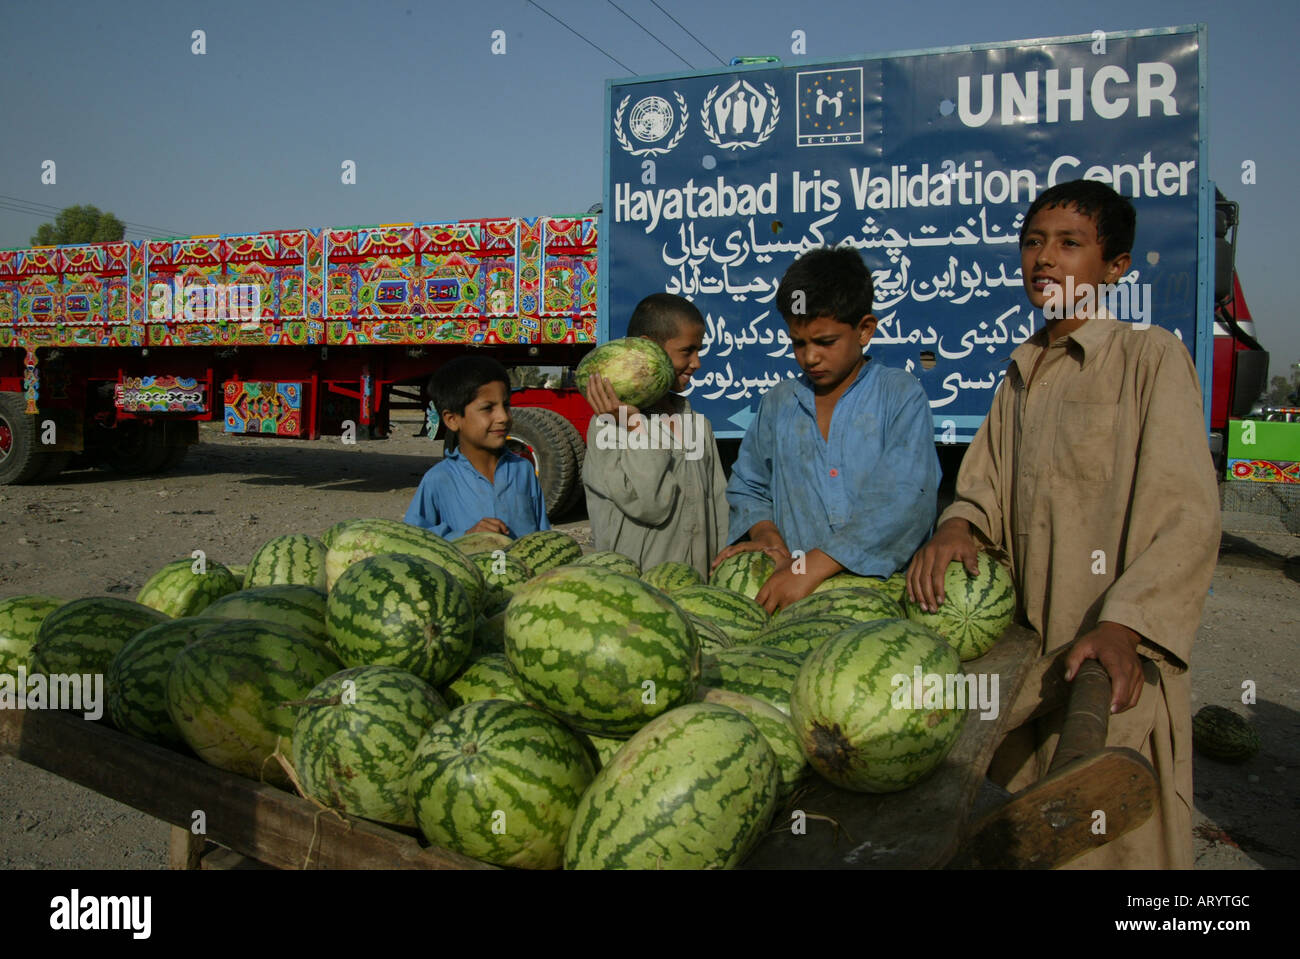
(453, 496)
(866, 496)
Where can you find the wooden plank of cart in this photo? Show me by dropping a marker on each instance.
(955, 817)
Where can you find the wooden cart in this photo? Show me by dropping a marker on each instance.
(955, 817)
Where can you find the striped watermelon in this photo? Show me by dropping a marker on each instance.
(776, 728)
(20, 620)
(484, 541)
(230, 694)
(502, 575)
(766, 674)
(975, 610)
(712, 636)
(84, 635)
(137, 679)
(327, 538)
(179, 590)
(372, 537)
(801, 636)
(546, 549)
(694, 789)
(484, 677)
(608, 559)
(500, 781)
(738, 616)
(296, 558)
(239, 572)
(862, 605)
(602, 650)
(302, 607)
(744, 573)
(355, 737)
(605, 748)
(638, 369)
(854, 711)
(895, 586)
(672, 576)
(403, 611)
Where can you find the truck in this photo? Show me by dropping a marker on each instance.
(714, 182)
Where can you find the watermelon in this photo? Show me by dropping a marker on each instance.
(484, 541)
(500, 781)
(179, 590)
(327, 538)
(301, 607)
(862, 724)
(744, 573)
(638, 369)
(738, 616)
(861, 605)
(502, 575)
(801, 636)
(403, 611)
(486, 676)
(605, 748)
(694, 789)
(608, 559)
(604, 651)
(672, 576)
(84, 635)
(546, 549)
(776, 728)
(239, 572)
(230, 693)
(895, 586)
(976, 609)
(712, 636)
(1222, 735)
(20, 620)
(137, 679)
(372, 537)
(355, 737)
(296, 558)
(765, 674)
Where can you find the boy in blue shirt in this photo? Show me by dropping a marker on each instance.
(838, 471)
(478, 485)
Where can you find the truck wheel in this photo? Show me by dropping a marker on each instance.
(137, 449)
(537, 437)
(577, 442)
(21, 458)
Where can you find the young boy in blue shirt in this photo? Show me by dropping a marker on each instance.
(478, 485)
(838, 471)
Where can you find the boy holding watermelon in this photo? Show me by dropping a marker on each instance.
(1092, 473)
(663, 501)
(838, 470)
(478, 485)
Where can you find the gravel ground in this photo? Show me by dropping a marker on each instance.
(93, 533)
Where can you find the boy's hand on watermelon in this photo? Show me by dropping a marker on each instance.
(952, 541)
(603, 399)
(490, 524)
(784, 587)
(1115, 647)
(763, 536)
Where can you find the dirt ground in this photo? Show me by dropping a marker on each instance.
(95, 533)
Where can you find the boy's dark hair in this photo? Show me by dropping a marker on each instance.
(1114, 214)
(833, 283)
(660, 316)
(457, 383)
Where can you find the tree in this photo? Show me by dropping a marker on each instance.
(1283, 390)
(522, 377)
(80, 224)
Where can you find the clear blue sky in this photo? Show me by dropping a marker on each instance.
(251, 135)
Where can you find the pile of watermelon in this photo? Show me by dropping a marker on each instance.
(516, 700)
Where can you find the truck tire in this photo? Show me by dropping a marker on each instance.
(537, 436)
(136, 448)
(578, 442)
(21, 457)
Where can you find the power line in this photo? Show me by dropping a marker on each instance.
(582, 38)
(45, 209)
(688, 33)
(651, 35)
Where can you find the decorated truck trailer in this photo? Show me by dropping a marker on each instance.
(714, 182)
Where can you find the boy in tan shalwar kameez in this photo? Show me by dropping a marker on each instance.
(1093, 475)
